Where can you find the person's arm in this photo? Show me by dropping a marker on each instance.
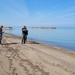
(27, 32)
(0, 30)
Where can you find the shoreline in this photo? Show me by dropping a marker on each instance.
(44, 44)
(37, 41)
(34, 58)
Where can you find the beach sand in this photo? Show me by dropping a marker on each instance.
(34, 58)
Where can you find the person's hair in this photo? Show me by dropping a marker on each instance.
(1, 26)
(25, 27)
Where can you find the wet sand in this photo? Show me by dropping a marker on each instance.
(34, 58)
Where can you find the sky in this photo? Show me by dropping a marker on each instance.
(37, 12)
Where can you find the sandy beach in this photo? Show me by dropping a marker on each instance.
(34, 58)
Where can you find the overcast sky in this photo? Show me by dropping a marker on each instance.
(37, 12)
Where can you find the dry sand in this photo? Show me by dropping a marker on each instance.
(34, 58)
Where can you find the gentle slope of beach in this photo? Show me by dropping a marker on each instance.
(34, 58)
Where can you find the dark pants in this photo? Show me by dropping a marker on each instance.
(24, 38)
(0, 38)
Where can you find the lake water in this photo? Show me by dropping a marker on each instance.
(61, 36)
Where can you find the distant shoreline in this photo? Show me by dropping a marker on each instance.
(7, 28)
(43, 27)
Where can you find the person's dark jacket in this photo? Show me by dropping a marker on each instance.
(24, 31)
(1, 31)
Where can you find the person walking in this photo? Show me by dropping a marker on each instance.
(24, 34)
(1, 33)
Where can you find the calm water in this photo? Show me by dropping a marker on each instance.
(62, 36)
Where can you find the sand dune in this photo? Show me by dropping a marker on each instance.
(34, 58)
